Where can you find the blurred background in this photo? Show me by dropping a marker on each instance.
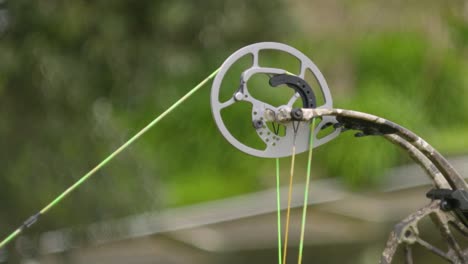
(78, 78)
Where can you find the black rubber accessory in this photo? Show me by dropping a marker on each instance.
(299, 85)
(450, 200)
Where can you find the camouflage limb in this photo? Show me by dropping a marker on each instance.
(376, 124)
(430, 169)
(443, 175)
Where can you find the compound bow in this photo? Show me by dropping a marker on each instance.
(449, 205)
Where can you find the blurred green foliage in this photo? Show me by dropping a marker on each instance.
(78, 78)
(403, 78)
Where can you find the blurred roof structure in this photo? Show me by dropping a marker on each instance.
(248, 223)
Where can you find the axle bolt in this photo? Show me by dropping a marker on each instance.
(296, 114)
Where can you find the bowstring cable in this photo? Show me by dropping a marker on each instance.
(288, 212)
(278, 202)
(306, 191)
(33, 219)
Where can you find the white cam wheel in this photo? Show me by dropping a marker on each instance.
(278, 146)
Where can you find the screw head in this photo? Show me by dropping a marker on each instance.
(445, 205)
(257, 124)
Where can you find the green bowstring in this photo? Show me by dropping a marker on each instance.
(278, 203)
(306, 191)
(306, 196)
(30, 221)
